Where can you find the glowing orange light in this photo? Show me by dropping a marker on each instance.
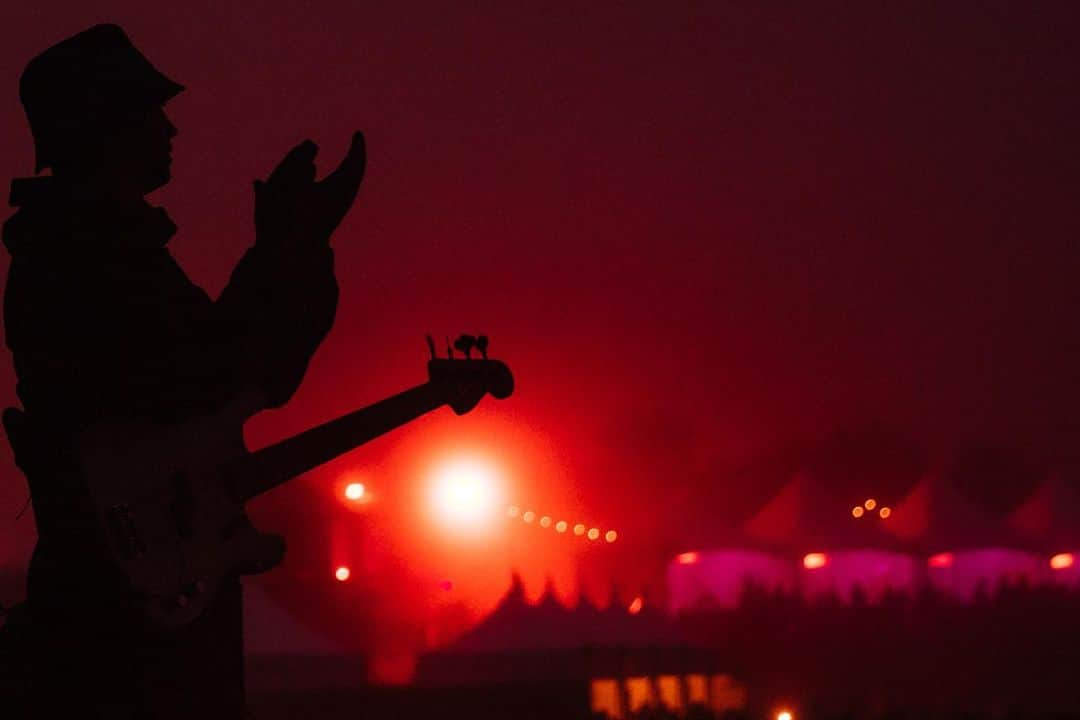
(545, 521)
(611, 536)
(579, 529)
(593, 533)
(885, 512)
(1062, 561)
(513, 511)
(355, 491)
(813, 561)
(941, 560)
(342, 573)
(785, 715)
(870, 503)
(636, 605)
(560, 526)
(857, 511)
(529, 516)
(688, 558)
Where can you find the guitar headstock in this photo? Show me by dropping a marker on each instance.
(467, 380)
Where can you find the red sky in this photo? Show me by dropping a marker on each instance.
(697, 231)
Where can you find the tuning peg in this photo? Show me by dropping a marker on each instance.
(465, 344)
(431, 346)
(482, 345)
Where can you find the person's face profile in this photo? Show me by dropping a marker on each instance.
(140, 147)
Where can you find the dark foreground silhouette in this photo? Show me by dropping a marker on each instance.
(105, 326)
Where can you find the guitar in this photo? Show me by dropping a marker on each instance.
(170, 499)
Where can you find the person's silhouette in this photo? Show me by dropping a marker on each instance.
(103, 324)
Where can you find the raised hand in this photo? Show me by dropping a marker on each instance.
(292, 208)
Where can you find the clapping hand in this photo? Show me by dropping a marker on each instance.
(292, 208)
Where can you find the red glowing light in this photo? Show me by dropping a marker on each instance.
(560, 526)
(545, 521)
(593, 533)
(579, 529)
(529, 516)
(1062, 561)
(688, 558)
(784, 715)
(342, 573)
(885, 512)
(355, 491)
(447, 585)
(857, 511)
(813, 561)
(611, 536)
(941, 560)
(636, 605)
(870, 503)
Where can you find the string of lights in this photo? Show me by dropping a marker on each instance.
(529, 517)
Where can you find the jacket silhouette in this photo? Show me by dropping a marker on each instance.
(103, 324)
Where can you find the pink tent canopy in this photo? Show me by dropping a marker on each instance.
(806, 517)
(935, 518)
(1050, 519)
(833, 551)
(967, 551)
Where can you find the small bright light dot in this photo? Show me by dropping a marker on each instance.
(354, 491)
(885, 512)
(513, 511)
(870, 503)
(1062, 561)
(784, 715)
(857, 511)
(611, 536)
(560, 526)
(813, 561)
(593, 533)
(579, 529)
(636, 605)
(941, 560)
(529, 516)
(687, 558)
(342, 573)
(545, 521)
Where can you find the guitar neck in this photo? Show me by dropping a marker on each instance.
(271, 466)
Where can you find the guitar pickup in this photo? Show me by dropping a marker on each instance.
(121, 524)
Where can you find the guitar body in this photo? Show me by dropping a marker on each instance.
(171, 524)
(169, 499)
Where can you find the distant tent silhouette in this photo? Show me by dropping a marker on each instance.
(804, 516)
(934, 517)
(1049, 517)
